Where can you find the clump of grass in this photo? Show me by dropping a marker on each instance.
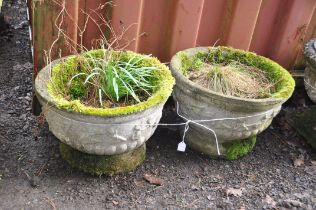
(107, 78)
(281, 84)
(115, 78)
(233, 79)
(89, 104)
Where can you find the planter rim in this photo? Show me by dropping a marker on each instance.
(175, 66)
(310, 52)
(46, 96)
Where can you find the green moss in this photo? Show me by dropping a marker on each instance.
(61, 74)
(281, 77)
(77, 90)
(188, 64)
(103, 165)
(236, 149)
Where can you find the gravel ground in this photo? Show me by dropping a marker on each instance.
(280, 173)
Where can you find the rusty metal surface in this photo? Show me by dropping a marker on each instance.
(273, 28)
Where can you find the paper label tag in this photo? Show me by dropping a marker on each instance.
(181, 146)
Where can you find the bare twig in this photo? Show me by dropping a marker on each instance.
(50, 202)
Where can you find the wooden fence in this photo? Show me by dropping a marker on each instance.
(273, 28)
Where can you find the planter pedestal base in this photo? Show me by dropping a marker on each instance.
(103, 164)
(239, 148)
(231, 150)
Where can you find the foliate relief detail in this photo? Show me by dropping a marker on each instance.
(137, 133)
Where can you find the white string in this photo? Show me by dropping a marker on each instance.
(186, 124)
(186, 128)
(307, 83)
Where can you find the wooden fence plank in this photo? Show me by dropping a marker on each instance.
(211, 25)
(290, 30)
(187, 17)
(274, 28)
(243, 22)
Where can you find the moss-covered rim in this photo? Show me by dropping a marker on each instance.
(185, 59)
(310, 52)
(160, 95)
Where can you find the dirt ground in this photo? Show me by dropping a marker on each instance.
(280, 173)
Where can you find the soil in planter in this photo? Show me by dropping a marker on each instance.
(103, 164)
(233, 79)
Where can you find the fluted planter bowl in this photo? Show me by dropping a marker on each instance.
(310, 70)
(106, 138)
(236, 137)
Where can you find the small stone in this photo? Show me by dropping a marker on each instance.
(233, 191)
(194, 188)
(292, 203)
(22, 117)
(28, 65)
(25, 127)
(28, 98)
(21, 25)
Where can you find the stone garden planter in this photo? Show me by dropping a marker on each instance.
(310, 70)
(235, 137)
(102, 140)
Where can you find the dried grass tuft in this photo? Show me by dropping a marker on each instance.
(234, 79)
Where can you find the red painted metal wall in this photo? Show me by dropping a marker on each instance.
(274, 28)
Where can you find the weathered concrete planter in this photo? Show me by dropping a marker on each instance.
(235, 137)
(110, 140)
(310, 70)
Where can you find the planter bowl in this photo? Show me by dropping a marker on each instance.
(310, 70)
(236, 137)
(99, 132)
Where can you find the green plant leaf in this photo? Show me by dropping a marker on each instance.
(75, 76)
(116, 89)
(89, 76)
(100, 97)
